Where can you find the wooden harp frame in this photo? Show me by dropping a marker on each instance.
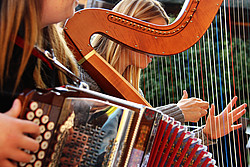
(195, 19)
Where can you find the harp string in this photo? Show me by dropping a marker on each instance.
(206, 81)
(168, 82)
(201, 62)
(159, 79)
(155, 81)
(180, 71)
(176, 78)
(184, 71)
(201, 73)
(224, 36)
(244, 57)
(172, 84)
(246, 65)
(231, 52)
(206, 69)
(220, 81)
(163, 83)
(213, 79)
(244, 54)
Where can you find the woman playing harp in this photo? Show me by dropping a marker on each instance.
(129, 63)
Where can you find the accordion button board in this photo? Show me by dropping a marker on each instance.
(45, 109)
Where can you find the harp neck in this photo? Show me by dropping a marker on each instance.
(140, 35)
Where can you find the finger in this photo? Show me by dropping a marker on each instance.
(7, 163)
(20, 156)
(239, 115)
(231, 104)
(211, 111)
(238, 109)
(203, 112)
(235, 127)
(197, 101)
(15, 109)
(30, 127)
(28, 143)
(203, 104)
(185, 95)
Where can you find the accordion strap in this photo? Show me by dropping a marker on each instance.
(50, 59)
(20, 42)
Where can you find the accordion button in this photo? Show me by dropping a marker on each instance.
(59, 137)
(38, 164)
(33, 105)
(35, 151)
(53, 156)
(56, 147)
(39, 138)
(62, 128)
(66, 124)
(39, 112)
(47, 135)
(50, 125)
(41, 154)
(36, 121)
(51, 164)
(44, 145)
(42, 128)
(71, 118)
(22, 164)
(33, 158)
(29, 165)
(30, 115)
(45, 119)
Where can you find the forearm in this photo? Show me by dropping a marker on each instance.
(172, 110)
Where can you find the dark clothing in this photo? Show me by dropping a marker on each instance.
(27, 81)
(49, 76)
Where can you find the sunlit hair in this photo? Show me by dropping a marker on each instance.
(145, 10)
(26, 13)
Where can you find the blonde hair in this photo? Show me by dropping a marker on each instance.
(16, 14)
(145, 10)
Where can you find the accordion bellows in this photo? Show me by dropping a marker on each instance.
(85, 128)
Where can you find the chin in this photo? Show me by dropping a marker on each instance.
(71, 14)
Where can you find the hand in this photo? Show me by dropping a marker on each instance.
(192, 108)
(221, 125)
(13, 138)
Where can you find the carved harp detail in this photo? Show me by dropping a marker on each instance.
(161, 40)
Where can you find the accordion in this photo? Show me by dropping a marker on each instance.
(80, 127)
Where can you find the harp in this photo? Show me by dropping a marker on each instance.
(200, 69)
(114, 24)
